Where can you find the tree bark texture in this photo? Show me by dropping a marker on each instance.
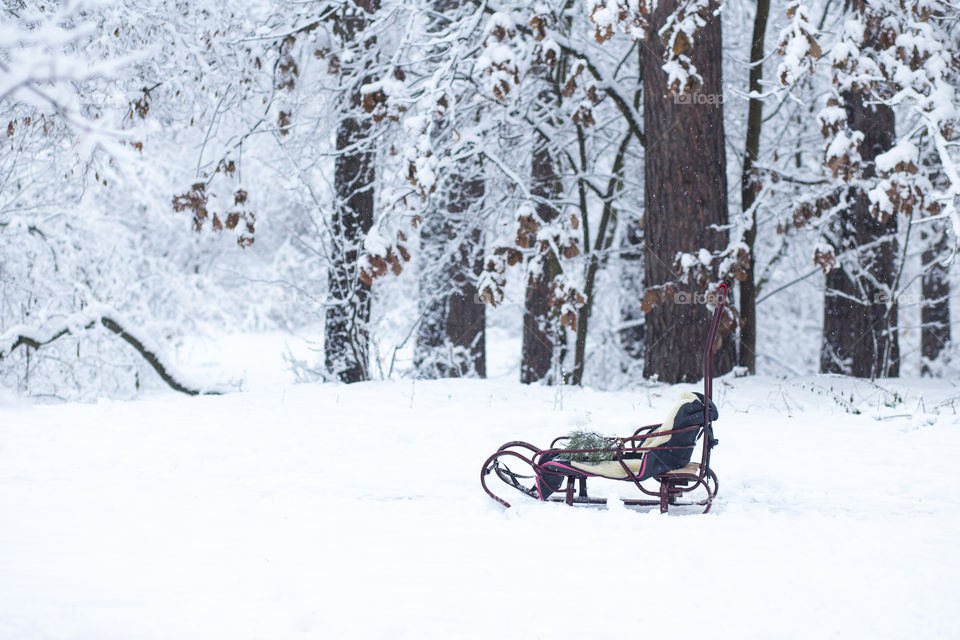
(935, 312)
(631, 278)
(859, 311)
(541, 329)
(542, 334)
(685, 196)
(345, 332)
(451, 337)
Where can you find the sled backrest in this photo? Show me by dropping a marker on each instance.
(708, 440)
(662, 435)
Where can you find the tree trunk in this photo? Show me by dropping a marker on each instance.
(542, 333)
(859, 311)
(451, 339)
(747, 356)
(632, 319)
(935, 312)
(348, 310)
(605, 233)
(631, 277)
(685, 194)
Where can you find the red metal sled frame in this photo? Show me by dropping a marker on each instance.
(672, 485)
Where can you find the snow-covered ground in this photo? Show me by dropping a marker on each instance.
(325, 511)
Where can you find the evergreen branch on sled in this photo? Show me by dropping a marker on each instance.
(590, 440)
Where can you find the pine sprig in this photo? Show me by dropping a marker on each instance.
(590, 440)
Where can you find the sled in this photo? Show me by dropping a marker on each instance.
(550, 474)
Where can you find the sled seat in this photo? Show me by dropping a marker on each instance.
(692, 469)
(611, 469)
(614, 470)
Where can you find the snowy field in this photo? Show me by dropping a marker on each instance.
(322, 511)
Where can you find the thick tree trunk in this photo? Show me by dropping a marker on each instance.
(451, 338)
(685, 196)
(935, 312)
(859, 311)
(747, 356)
(348, 310)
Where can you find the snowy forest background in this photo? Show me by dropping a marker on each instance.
(437, 188)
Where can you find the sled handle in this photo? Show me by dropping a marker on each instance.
(708, 360)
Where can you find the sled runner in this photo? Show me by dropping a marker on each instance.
(660, 453)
